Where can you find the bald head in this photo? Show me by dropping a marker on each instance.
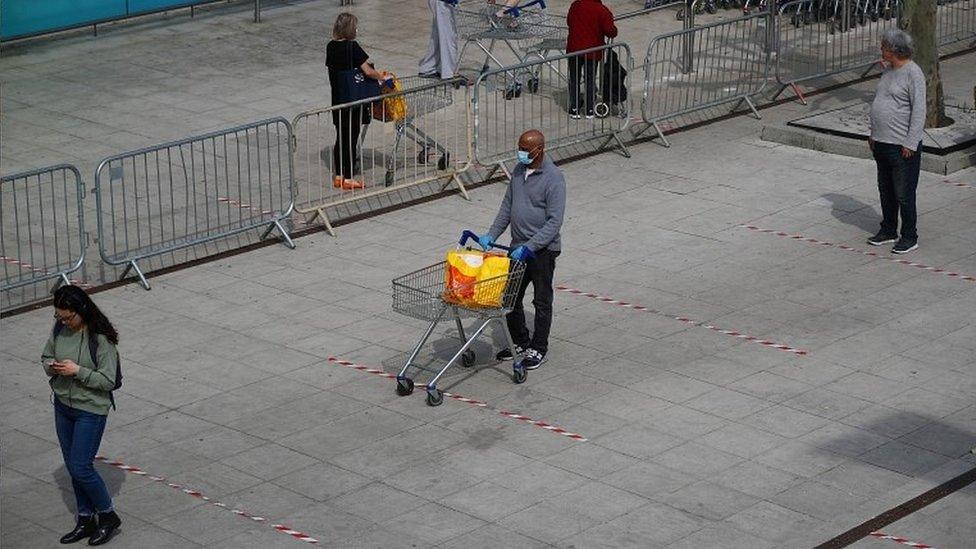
(534, 143)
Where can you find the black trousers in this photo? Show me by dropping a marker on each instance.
(897, 183)
(579, 65)
(345, 152)
(539, 272)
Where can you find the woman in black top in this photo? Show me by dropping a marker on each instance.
(343, 53)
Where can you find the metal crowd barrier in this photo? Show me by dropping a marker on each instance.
(536, 94)
(194, 191)
(956, 21)
(703, 67)
(417, 135)
(42, 232)
(817, 39)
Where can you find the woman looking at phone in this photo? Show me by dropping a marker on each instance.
(82, 395)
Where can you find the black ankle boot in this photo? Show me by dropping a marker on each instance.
(108, 523)
(84, 528)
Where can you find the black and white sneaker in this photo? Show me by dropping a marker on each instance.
(904, 246)
(881, 239)
(532, 359)
(506, 353)
(574, 114)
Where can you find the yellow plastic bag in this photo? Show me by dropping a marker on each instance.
(460, 275)
(391, 108)
(475, 279)
(492, 280)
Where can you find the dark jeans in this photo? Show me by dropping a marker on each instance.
(588, 68)
(897, 182)
(80, 434)
(539, 272)
(345, 152)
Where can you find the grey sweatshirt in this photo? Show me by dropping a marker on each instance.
(898, 110)
(534, 207)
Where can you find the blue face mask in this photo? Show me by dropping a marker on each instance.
(523, 157)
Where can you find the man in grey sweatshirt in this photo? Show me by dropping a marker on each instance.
(534, 205)
(897, 123)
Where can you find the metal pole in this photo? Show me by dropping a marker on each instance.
(845, 16)
(688, 43)
(257, 11)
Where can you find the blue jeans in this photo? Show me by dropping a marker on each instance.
(80, 434)
(897, 181)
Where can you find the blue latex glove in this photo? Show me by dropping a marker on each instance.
(521, 253)
(486, 241)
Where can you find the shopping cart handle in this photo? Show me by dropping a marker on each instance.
(515, 11)
(470, 235)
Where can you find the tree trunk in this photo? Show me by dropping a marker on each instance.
(919, 20)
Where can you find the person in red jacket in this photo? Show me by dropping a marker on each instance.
(590, 23)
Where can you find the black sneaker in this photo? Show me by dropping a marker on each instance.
(506, 353)
(590, 115)
(881, 239)
(532, 359)
(574, 114)
(904, 246)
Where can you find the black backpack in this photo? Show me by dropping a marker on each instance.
(93, 352)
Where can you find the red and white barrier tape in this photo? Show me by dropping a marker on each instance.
(29, 267)
(471, 401)
(197, 494)
(846, 248)
(242, 205)
(686, 320)
(959, 184)
(903, 541)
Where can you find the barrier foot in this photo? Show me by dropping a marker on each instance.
(508, 174)
(286, 239)
(622, 146)
(752, 107)
(133, 267)
(455, 179)
(799, 93)
(868, 70)
(320, 213)
(660, 134)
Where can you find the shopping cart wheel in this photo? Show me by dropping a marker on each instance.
(404, 386)
(533, 85)
(519, 375)
(467, 358)
(444, 161)
(435, 397)
(389, 178)
(601, 110)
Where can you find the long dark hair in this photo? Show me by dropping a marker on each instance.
(74, 299)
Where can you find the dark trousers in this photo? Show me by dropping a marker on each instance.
(897, 182)
(538, 271)
(80, 434)
(579, 65)
(345, 152)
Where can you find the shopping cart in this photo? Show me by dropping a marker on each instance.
(422, 98)
(422, 295)
(523, 29)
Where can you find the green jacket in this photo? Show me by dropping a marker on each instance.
(90, 388)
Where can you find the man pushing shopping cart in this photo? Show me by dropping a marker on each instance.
(488, 286)
(533, 207)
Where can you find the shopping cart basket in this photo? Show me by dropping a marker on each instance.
(422, 295)
(528, 24)
(422, 98)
